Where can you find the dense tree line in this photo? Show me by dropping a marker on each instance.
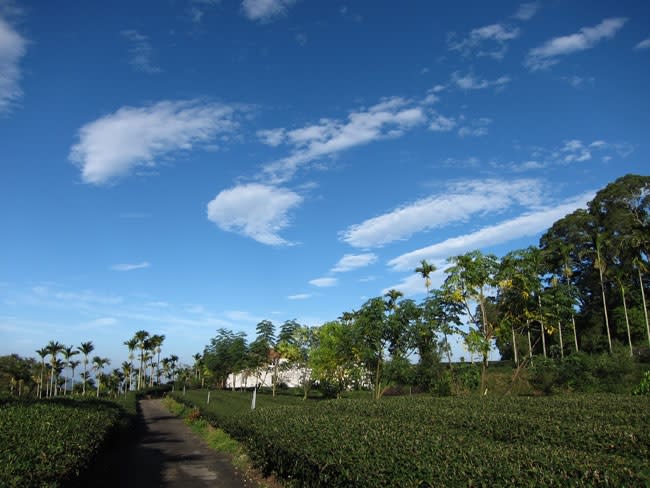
(582, 289)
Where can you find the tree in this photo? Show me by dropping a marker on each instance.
(53, 349)
(127, 369)
(73, 366)
(425, 269)
(372, 336)
(333, 361)
(141, 339)
(68, 352)
(98, 366)
(42, 352)
(472, 278)
(86, 348)
(156, 342)
(225, 355)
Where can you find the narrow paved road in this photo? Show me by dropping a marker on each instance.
(167, 454)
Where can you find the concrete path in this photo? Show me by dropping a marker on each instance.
(167, 454)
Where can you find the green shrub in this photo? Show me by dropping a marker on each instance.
(644, 386)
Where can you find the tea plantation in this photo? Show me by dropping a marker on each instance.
(49, 443)
(423, 441)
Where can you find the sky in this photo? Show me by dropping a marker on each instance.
(180, 166)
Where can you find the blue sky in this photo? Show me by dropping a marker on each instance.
(186, 165)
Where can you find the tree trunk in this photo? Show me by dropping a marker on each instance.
(514, 347)
(645, 308)
(602, 290)
(575, 332)
(559, 325)
(530, 344)
(627, 321)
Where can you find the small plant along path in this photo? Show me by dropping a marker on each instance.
(168, 454)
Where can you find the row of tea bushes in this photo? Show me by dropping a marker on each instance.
(50, 443)
(521, 441)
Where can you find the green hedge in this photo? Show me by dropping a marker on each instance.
(50, 443)
(411, 442)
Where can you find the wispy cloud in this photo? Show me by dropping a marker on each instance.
(130, 267)
(12, 48)
(324, 282)
(526, 11)
(113, 145)
(471, 82)
(476, 128)
(350, 262)
(489, 40)
(266, 10)
(551, 51)
(388, 119)
(197, 9)
(526, 225)
(141, 52)
(254, 210)
(299, 296)
(440, 123)
(644, 44)
(457, 203)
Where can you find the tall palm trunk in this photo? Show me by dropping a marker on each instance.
(530, 343)
(559, 326)
(514, 346)
(645, 308)
(541, 325)
(575, 332)
(627, 320)
(602, 291)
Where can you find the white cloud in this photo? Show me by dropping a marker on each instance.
(526, 225)
(389, 118)
(113, 145)
(644, 44)
(457, 203)
(100, 322)
(413, 284)
(477, 128)
(324, 282)
(548, 53)
(265, 10)
(271, 137)
(130, 267)
(354, 261)
(197, 9)
(471, 82)
(440, 123)
(254, 210)
(242, 316)
(575, 151)
(490, 40)
(12, 49)
(141, 52)
(299, 296)
(526, 11)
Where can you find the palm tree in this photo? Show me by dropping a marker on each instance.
(140, 338)
(98, 365)
(156, 342)
(127, 368)
(42, 352)
(392, 295)
(68, 352)
(86, 348)
(425, 269)
(197, 364)
(599, 264)
(73, 365)
(53, 348)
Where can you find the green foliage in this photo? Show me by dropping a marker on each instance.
(420, 441)
(51, 442)
(644, 386)
(583, 372)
